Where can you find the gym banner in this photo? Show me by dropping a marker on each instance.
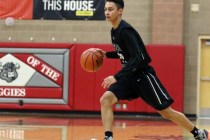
(53, 9)
(69, 9)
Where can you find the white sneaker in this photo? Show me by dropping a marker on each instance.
(108, 138)
(202, 135)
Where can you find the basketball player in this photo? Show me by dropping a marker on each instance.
(137, 78)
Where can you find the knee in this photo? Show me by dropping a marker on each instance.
(107, 100)
(168, 113)
(172, 114)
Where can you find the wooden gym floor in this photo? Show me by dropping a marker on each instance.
(82, 127)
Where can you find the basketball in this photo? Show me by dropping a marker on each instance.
(91, 60)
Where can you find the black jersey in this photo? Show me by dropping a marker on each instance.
(129, 48)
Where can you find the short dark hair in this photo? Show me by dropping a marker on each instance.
(119, 3)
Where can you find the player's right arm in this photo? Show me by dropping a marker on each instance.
(112, 54)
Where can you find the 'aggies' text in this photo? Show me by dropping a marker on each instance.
(12, 92)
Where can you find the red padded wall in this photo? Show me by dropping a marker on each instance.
(88, 88)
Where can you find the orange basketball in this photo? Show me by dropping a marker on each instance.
(91, 60)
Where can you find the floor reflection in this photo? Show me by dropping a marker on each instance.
(86, 128)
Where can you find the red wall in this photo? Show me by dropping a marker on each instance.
(85, 89)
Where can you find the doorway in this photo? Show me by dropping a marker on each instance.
(203, 93)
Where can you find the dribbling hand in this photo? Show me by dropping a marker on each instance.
(103, 53)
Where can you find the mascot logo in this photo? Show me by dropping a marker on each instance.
(8, 71)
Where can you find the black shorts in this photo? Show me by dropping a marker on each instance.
(144, 84)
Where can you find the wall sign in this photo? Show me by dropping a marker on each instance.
(38, 76)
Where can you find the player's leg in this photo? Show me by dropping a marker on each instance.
(107, 100)
(123, 89)
(177, 117)
(180, 119)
